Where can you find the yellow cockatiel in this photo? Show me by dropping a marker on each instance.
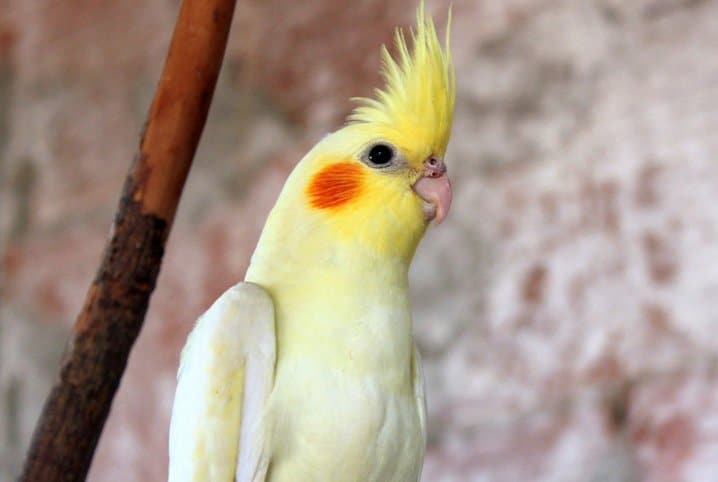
(307, 371)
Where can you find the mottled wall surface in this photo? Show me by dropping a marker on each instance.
(566, 310)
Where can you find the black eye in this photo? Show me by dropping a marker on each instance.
(381, 155)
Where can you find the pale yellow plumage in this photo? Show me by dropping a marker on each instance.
(327, 292)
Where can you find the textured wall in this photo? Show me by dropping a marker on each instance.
(566, 310)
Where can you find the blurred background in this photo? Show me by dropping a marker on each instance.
(566, 311)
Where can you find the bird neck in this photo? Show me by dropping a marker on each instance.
(340, 303)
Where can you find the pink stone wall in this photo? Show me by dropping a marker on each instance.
(566, 310)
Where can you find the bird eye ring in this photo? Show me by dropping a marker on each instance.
(380, 155)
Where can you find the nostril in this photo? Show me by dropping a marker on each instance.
(434, 167)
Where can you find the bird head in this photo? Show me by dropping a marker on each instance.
(381, 179)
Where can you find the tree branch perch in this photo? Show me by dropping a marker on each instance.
(78, 405)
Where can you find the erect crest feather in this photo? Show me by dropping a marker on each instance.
(418, 98)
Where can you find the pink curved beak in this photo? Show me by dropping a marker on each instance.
(434, 188)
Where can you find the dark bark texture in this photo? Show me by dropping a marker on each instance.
(78, 405)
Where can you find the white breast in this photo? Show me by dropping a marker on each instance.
(328, 425)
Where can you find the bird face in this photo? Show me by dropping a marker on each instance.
(382, 191)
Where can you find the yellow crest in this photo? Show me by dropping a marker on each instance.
(418, 99)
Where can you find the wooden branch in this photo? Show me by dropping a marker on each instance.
(77, 407)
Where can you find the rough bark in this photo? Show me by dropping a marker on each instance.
(78, 405)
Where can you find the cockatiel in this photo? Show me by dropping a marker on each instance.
(307, 371)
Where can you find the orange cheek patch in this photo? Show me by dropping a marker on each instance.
(335, 185)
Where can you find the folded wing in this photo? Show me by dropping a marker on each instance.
(419, 397)
(226, 374)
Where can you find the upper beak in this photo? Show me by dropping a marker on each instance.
(435, 189)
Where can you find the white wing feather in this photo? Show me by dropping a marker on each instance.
(420, 397)
(226, 374)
